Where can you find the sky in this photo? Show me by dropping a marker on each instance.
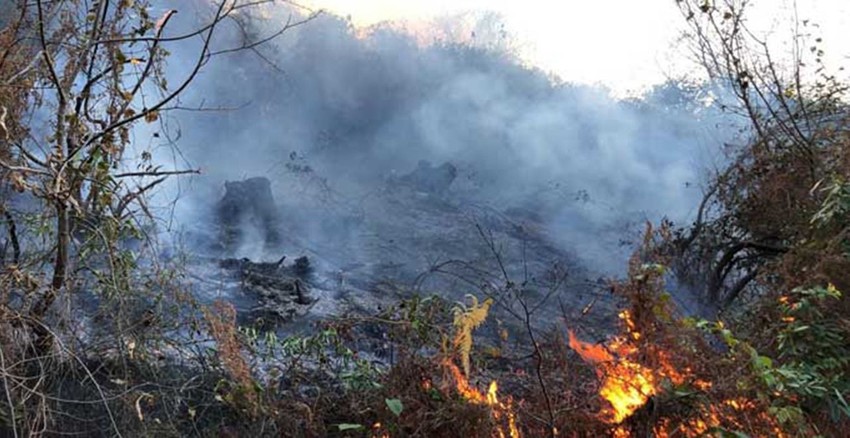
(361, 108)
(624, 45)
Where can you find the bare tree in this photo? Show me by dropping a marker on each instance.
(76, 77)
(756, 209)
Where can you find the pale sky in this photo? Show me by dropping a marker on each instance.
(624, 45)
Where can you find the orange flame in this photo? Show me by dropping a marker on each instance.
(626, 384)
(627, 387)
(378, 431)
(502, 412)
(589, 352)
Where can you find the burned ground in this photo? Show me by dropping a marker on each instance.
(413, 235)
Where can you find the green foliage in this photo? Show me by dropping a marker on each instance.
(349, 427)
(417, 320)
(809, 371)
(812, 346)
(325, 351)
(836, 205)
(395, 406)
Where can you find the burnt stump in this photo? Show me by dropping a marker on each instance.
(248, 204)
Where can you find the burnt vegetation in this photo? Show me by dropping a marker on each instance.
(103, 331)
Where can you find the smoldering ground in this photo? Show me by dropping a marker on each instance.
(332, 114)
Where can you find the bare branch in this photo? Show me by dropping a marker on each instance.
(159, 173)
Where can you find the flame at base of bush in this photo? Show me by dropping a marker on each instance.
(502, 412)
(626, 383)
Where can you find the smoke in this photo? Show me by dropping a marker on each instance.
(358, 107)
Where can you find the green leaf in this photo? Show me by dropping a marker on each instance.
(844, 407)
(349, 426)
(394, 405)
(764, 362)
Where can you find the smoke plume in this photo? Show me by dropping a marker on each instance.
(353, 108)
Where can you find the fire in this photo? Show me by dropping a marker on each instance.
(627, 387)
(590, 352)
(626, 384)
(502, 412)
(620, 432)
(728, 411)
(378, 431)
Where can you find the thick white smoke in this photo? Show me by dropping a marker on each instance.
(357, 108)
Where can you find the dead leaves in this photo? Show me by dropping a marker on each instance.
(151, 116)
(4, 131)
(467, 319)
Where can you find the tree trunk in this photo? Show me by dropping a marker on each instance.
(44, 338)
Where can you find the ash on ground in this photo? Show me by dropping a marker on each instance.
(287, 252)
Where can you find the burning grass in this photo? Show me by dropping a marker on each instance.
(658, 374)
(627, 384)
(502, 413)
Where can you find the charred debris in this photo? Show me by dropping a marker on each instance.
(282, 289)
